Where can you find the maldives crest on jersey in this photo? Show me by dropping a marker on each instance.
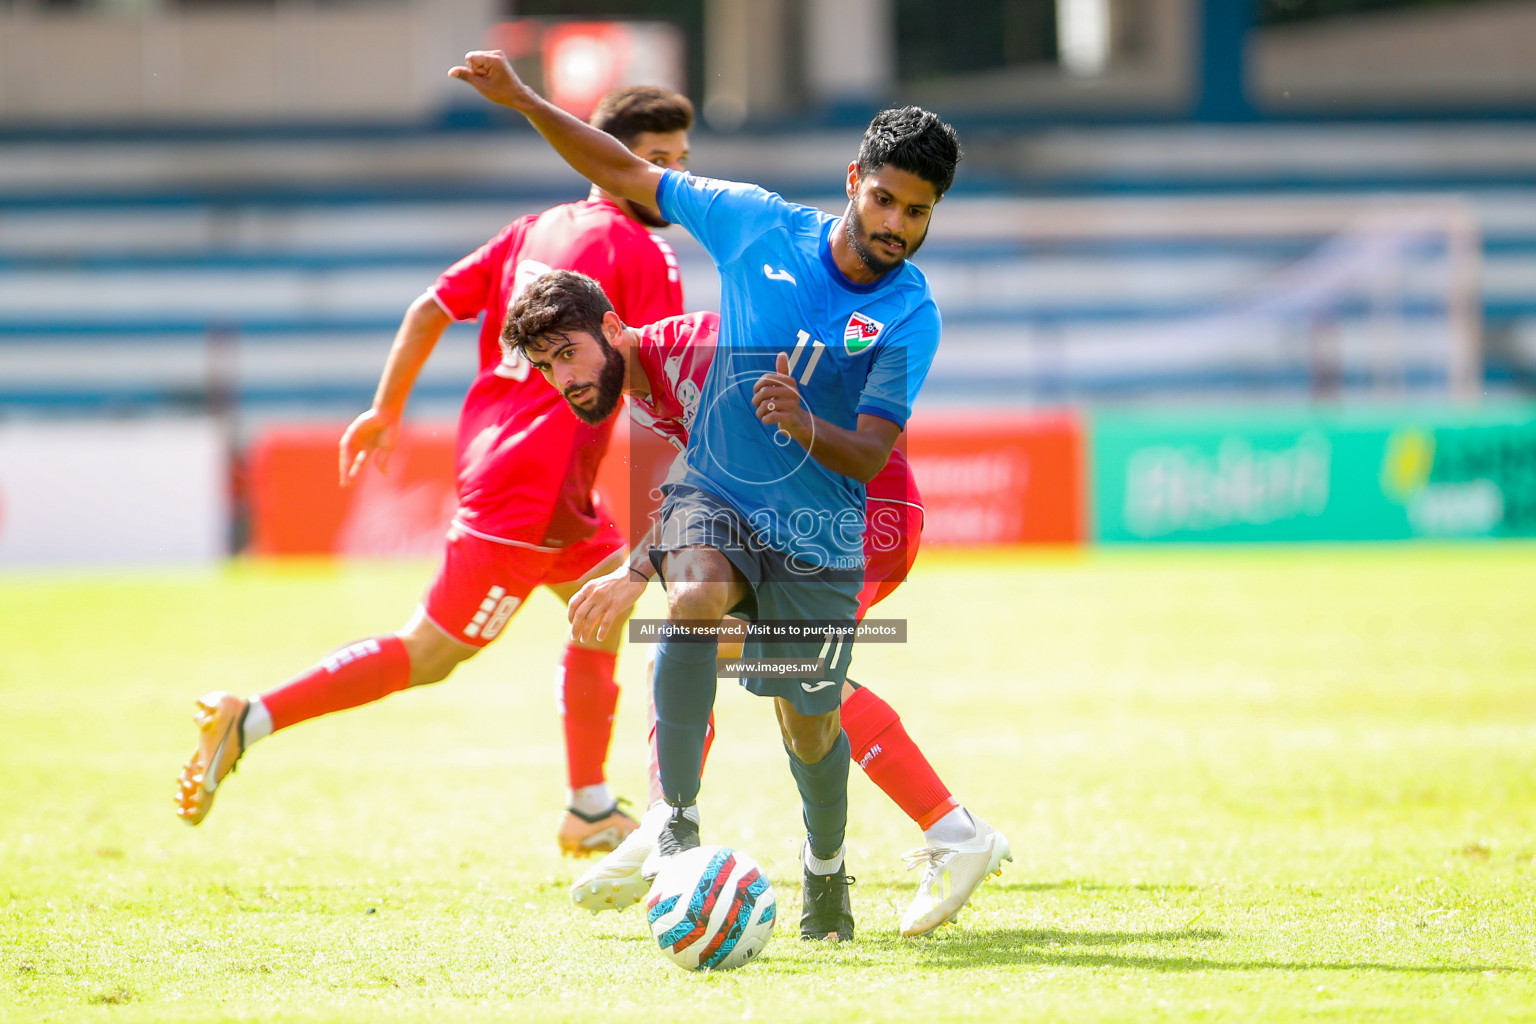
(861, 333)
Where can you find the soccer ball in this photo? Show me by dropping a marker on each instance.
(710, 909)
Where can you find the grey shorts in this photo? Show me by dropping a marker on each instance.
(822, 603)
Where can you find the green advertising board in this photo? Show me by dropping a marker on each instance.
(1311, 475)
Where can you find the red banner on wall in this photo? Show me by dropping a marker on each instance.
(1003, 478)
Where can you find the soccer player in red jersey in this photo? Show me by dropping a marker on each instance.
(571, 334)
(526, 464)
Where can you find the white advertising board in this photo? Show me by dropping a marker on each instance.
(106, 492)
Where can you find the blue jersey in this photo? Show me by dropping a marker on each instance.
(853, 348)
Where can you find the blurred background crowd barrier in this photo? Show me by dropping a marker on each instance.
(1212, 269)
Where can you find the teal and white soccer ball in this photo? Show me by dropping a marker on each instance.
(711, 909)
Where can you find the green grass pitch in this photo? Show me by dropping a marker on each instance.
(1260, 784)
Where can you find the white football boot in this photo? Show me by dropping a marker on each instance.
(679, 832)
(952, 873)
(614, 882)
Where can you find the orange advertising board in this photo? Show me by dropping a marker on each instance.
(999, 477)
(298, 506)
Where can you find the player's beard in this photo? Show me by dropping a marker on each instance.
(609, 387)
(860, 241)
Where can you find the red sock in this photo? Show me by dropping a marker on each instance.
(881, 747)
(357, 674)
(588, 697)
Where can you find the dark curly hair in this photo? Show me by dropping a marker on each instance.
(554, 306)
(913, 140)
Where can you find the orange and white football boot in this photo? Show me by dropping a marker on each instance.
(218, 719)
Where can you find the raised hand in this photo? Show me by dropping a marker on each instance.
(492, 76)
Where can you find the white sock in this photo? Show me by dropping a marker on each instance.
(654, 818)
(658, 814)
(258, 723)
(955, 827)
(816, 866)
(590, 800)
(691, 812)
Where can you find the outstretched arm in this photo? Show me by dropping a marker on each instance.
(373, 432)
(595, 155)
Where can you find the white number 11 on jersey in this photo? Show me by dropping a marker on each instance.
(817, 348)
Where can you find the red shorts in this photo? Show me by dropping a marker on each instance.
(893, 532)
(481, 583)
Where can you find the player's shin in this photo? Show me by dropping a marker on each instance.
(357, 674)
(823, 789)
(684, 692)
(654, 795)
(588, 698)
(892, 760)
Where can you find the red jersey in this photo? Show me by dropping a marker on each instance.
(676, 354)
(526, 464)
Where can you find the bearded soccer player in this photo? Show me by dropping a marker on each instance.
(526, 464)
(768, 519)
(565, 326)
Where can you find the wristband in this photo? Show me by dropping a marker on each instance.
(643, 577)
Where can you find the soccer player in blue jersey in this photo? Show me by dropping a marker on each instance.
(827, 333)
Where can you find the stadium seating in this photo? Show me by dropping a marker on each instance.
(184, 271)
